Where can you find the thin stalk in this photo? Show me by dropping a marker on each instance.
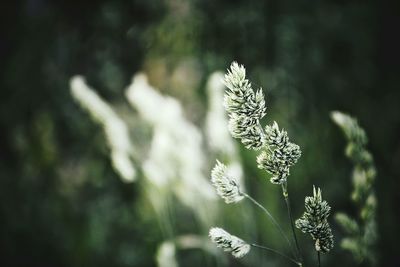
(287, 201)
(272, 219)
(277, 252)
(319, 259)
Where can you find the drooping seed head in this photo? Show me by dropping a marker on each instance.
(229, 243)
(226, 186)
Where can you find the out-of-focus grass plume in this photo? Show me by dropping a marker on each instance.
(361, 231)
(176, 159)
(115, 129)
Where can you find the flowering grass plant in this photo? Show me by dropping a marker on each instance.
(246, 108)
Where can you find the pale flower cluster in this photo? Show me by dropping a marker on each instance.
(229, 243)
(245, 107)
(226, 186)
(176, 159)
(115, 129)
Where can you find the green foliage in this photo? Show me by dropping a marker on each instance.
(348, 224)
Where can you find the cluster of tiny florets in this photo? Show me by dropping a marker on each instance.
(279, 155)
(245, 108)
(229, 243)
(314, 221)
(226, 186)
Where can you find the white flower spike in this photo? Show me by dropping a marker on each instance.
(229, 243)
(245, 107)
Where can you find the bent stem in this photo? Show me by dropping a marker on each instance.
(272, 219)
(287, 201)
(277, 252)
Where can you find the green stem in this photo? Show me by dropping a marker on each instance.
(277, 252)
(272, 219)
(319, 259)
(287, 201)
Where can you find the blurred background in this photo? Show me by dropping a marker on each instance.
(71, 195)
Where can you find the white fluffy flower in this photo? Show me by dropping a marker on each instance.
(229, 243)
(227, 187)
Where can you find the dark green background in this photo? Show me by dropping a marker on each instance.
(323, 55)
